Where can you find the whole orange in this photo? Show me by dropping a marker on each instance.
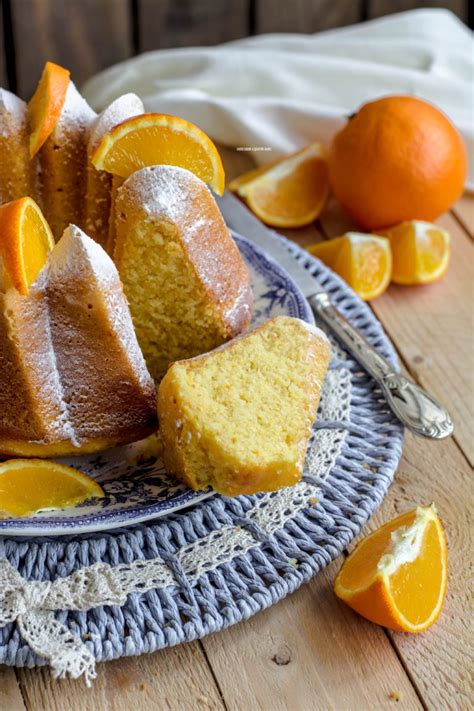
(398, 158)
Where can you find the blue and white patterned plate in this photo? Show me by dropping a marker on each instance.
(135, 483)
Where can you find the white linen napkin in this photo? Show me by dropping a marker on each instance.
(274, 93)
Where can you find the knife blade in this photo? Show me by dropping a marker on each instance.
(414, 407)
(241, 220)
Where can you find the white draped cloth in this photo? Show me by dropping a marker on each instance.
(274, 93)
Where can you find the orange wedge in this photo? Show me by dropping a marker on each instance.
(291, 192)
(30, 485)
(363, 261)
(421, 252)
(159, 139)
(46, 104)
(397, 576)
(241, 180)
(25, 241)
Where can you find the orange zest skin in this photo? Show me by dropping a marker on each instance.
(421, 252)
(159, 139)
(46, 104)
(397, 158)
(397, 576)
(289, 193)
(25, 242)
(30, 485)
(363, 261)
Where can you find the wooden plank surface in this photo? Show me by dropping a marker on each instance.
(164, 23)
(10, 694)
(377, 8)
(308, 652)
(83, 35)
(178, 679)
(464, 212)
(305, 15)
(432, 327)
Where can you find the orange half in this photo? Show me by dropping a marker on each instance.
(364, 261)
(30, 485)
(159, 139)
(25, 241)
(290, 193)
(397, 575)
(46, 104)
(421, 252)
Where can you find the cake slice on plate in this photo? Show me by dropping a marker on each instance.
(239, 418)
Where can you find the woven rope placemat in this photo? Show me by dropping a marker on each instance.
(72, 601)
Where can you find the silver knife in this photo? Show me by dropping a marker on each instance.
(414, 407)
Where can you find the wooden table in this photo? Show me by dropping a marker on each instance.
(310, 652)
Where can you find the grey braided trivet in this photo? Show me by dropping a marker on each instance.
(273, 550)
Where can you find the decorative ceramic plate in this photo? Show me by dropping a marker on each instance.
(135, 483)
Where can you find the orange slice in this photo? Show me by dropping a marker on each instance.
(421, 252)
(237, 183)
(30, 485)
(26, 240)
(397, 575)
(159, 139)
(363, 261)
(290, 193)
(46, 104)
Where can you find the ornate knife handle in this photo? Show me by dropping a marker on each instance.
(413, 406)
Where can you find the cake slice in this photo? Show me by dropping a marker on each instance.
(99, 182)
(239, 418)
(72, 376)
(18, 174)
(187, 285)
(63, 161)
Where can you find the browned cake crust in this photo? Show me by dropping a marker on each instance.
(72, 377)
(63, 161)
(18, 173)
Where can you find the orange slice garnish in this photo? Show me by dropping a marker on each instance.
(421, 252)
(397, 576)
(364, 261)
(159, 139)
(289, 193)
(30, 485)
(25, 241)
(46, 104)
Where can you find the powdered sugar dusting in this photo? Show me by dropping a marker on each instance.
(75, 255)
(164, 191)
(76, 114)
(119, 110)
(13, 113)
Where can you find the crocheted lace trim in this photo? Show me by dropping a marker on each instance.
(33, 604)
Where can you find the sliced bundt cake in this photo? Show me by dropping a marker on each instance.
(99, 182)
(63, 161)
(239, 418)
(187, 285)
(18, 174)
(72, 376)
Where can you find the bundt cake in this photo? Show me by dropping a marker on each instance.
(186, 283)
(72, 376)
(63, 161)
(239, 418)
(18, 174)
(99, 182)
